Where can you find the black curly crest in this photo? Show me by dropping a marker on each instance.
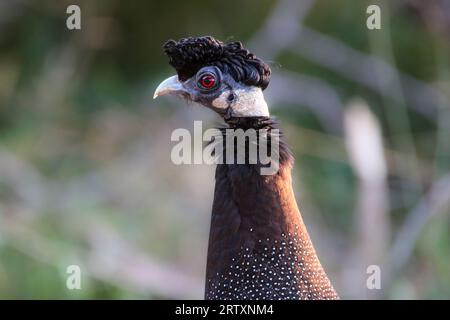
(188, 55)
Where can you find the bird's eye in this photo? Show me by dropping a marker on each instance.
(207, 81)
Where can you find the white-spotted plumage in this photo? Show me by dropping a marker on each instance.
(274, 270)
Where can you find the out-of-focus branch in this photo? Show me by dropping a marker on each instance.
(323, 146)
(316, 95)
(362, 68)
(281, 28)
(289, 87)
(436, 201)
(23, 181)
(435, 14)
(116, 261)
(365, 148)
(346, 61)
(110, 259)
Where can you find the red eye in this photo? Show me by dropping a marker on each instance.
(207, 81)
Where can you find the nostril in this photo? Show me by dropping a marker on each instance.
(231, 97)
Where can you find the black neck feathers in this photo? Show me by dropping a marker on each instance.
(256, 123)
(259, 247)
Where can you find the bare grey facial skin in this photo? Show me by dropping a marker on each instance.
(219, 92)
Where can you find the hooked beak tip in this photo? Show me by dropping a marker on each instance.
(168, 86)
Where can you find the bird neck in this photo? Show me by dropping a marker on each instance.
(259, 246)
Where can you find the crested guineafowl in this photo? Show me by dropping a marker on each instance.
(259, 247)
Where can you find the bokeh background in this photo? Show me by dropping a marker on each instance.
(85, 170)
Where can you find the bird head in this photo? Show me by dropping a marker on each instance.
(226, 78)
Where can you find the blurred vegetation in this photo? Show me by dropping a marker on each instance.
(85, 171)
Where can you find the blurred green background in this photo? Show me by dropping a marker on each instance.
(85, 171)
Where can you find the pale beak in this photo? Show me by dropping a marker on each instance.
(169, 86)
